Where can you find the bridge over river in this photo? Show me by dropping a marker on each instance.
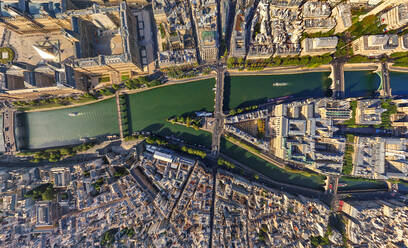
(9, 117)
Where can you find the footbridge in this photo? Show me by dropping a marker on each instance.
(9, 117)
(337, 77)
(118, 108)
(385, 86)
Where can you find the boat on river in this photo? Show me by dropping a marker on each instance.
(282, 98)
(280, 84)
(73, 114)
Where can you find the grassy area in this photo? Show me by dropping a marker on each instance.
(125, 77)
(360, 59)
(319, 241)
(10, 55)
(398, 55)
(44, 192)
(104, 79)
(402, 62)
(98, 184)
(348, 155)
(318, 34)
(369, 25)
(386, 116)
(130, 232)
(307, 61)
(352, 121)
(354, 183)
(356, 12)
(179, 74)
(162, 31)
(120, 171)
(140, 82)
(108, 237)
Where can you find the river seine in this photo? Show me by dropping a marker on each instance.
(150, 109)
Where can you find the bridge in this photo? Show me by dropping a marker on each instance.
(331, 187)
(119, 115)
(385, 86)
(218, 113)
(337, 77)
(9, 116)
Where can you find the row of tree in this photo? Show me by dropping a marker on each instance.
(189, 121)
(56, 154)
(193, 151)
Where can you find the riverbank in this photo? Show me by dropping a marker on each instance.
(398, 69)
(361, 67)
(281, 70)
(46, 108)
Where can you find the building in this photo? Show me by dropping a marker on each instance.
(368, 112)
(375, 223)
(342, 14)
(60, 177)
(46, 214)
(381, 158)
(379, 6)
(400, 119)
(317, 17)
(205, 18)
(110, 50)
(238, 34)
(35, 16)
(176, 44)
(40, 27)
(275, 29)
(71, 48)
(374, 45)
(302, 135)
(396, 17)
(163, 156)
(319, 46)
